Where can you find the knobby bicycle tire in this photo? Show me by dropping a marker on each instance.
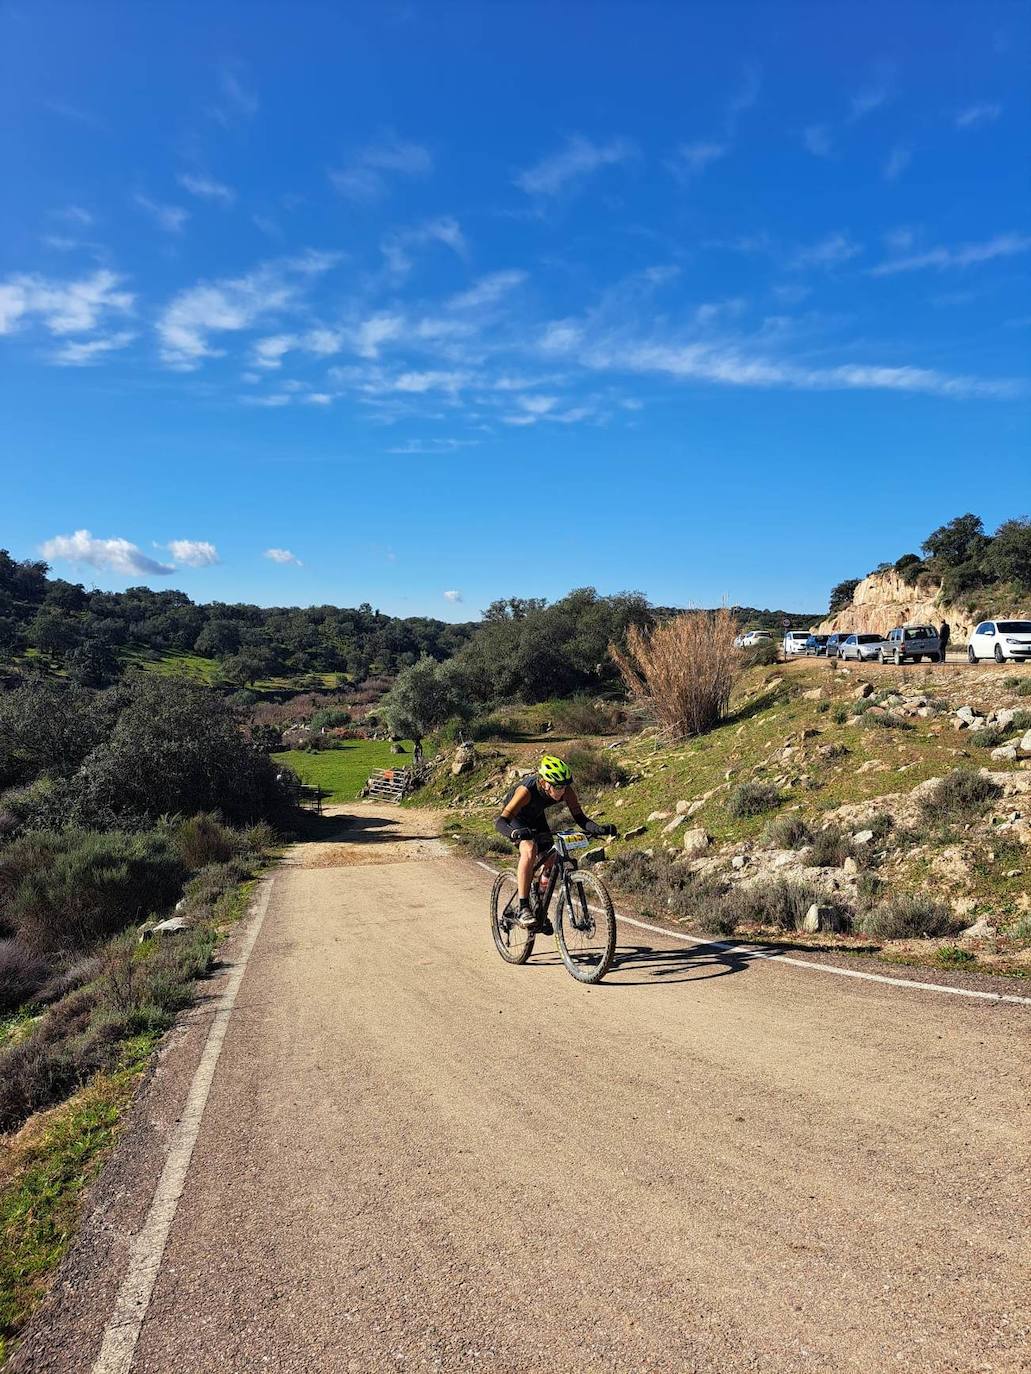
(514, 944)
(586, 934)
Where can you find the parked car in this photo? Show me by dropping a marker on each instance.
(751, 638)
(911, 642)
(794, 642)
(1001, 639)
(861, 647)
(834, 643)
(816, 645)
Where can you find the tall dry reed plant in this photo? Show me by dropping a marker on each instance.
(684, 669)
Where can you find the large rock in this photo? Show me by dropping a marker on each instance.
(657, 816)
(464, 760)
(633, 834)
(820, 917)
(674, 824)
(682, 807)
(696, 841)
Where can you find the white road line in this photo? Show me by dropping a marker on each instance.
(774, 956)
(148, 1247)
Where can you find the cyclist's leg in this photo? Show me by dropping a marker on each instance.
(527, 859)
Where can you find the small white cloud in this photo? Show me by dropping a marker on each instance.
(81, 354)
(65, 307)
(828, 252)
(376, 331)
(194, 553)
(871, 98)
(317, 398)
(322, 342)
(75, 214)
(817, 139)
(974, 116)
(453, 596)
(433, 446)
(269, 353)
(692, 158)
(366, 177)
(898, 160)
(396, 247)
(207, 188)
(561, 336)
(966, 255)
(487, 290)
(283, 556)
(577, 160)
(899, 240)
(111, 555)
(170, 218)
(238, 100)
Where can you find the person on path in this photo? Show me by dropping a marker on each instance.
(944, 634)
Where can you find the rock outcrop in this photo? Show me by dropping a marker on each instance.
(884, 600)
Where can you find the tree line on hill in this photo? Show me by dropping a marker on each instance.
(84, 631)
(963, 558)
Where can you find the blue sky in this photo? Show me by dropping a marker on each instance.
(424, 304)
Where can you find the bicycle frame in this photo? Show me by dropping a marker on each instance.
(562, 864)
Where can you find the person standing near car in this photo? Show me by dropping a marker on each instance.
(944, 633)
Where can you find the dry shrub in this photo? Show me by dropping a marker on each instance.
(685, 669)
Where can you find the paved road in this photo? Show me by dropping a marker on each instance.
(416, 1158)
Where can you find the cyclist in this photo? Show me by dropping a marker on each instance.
(524, 820)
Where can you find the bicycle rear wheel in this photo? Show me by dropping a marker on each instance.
(586, 927)
(515, 944)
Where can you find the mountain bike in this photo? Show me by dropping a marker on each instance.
(584, 923)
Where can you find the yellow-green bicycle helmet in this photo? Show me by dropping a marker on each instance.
(552, 769)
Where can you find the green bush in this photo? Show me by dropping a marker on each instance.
(204, 839)
(888, 722)
(594, 767)
(787, 832)
(582, 715)
(1023, 689)
(66, 890)
(954, 956)
(990, 737)
(841, 713)
(830, 848)
(760, 654)
(22, 974)
(868, 890)
(752, 799)
(962, 794)
(780, 903)
(674, 889)
(908, 917)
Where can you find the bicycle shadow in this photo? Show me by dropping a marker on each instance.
(655, 966)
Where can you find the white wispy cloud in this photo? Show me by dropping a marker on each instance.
(75, 214)
(817, 139)
(898, 160)
(398, 246)
(870, 98)
(367, 175)
(974, 116)
(317, 398)
(487, 290)
(692, 158)
(572, 164)
(966, 255)
(193, 553)
(207, 188)
(374, 332)
(282, 556)
(238, 100)
(433, 446)
(453, 596)
(268, 353)
(111, 555)
(78, 353)
(65, 307)
(170, 218)
(232, 304)
(831, 251)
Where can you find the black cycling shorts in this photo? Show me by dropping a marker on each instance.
(543, 839)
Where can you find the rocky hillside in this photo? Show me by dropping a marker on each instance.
(884, 600)
(866, 790)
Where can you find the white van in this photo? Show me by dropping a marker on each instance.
(794, 642)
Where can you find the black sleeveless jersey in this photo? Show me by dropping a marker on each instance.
(533, 813)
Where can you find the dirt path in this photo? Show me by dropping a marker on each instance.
(415, 1157)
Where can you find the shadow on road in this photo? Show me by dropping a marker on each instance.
(687, 965)
(354, 828)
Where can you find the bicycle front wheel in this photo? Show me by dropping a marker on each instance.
(585, 927)
(514, 942)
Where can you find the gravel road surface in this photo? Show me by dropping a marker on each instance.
(417, 1158)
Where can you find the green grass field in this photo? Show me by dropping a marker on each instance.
(343, 772)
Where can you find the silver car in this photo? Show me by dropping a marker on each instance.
(861, 647)
(911, 642)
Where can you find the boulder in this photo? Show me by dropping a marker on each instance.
(657, 816)
(464, 760)
(979, 929)
(865, 689)
(593, 856)
(820, 917)
(1025, 744)
(850, 867)
(681, 807)
(696, 841)
(695, 807)
(674, 824)
(633, 834)
(1005, 753)
(863, 837)
(814, 694)
(967, 713)
(1004, 718)
(739, 861)
(175, 925)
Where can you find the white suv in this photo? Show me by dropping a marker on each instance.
(794, 642)
(1001, 639)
